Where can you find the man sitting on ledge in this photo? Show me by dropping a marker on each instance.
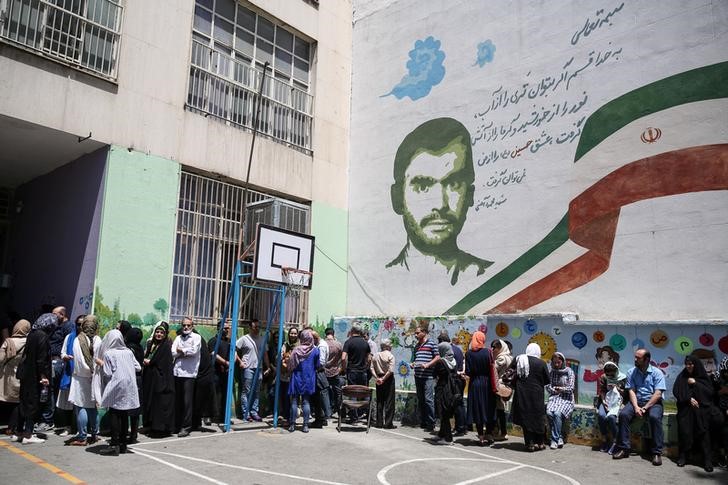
(645, 385)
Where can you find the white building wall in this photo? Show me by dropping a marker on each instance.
(144, 110)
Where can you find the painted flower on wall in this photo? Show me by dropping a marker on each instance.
(486, 53)
(394, 339)
(425, 69)
(403, 369)
(388, 324)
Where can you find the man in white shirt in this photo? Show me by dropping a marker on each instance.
(186, 355)
(251, 349)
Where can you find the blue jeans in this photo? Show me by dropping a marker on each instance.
(48, 410)
(627, 414)
(556, 421)
(426, 400)
(607, 424)
(248, 375)
(86, 421)
(305, 404)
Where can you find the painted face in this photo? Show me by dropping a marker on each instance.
(437, 194)
(603, 358)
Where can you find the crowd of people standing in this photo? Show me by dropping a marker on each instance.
(58, 374)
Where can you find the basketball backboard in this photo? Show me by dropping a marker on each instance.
(276, 248)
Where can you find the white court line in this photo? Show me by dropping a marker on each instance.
(206, 435)
(190, 472)
(382, 475)
(490, 475)
(503, 460)
(239, 467)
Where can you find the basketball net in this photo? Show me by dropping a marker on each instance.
(295, 279)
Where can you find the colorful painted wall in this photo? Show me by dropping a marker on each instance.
(136, 245)
(586, 345)
(562, 158)
(328, 293)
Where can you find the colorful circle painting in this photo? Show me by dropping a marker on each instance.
(501, 329)
(618, 342)
(706, 339)
(546, 343)
(598, 336)
(530, 327)
(579, 340)
(638, 343)
(516, 332)
(683, 345)
(723, 344)
(659, 339)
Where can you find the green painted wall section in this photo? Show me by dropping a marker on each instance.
(136, 243)
(328, 294)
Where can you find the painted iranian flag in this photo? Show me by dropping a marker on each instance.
(655, 141)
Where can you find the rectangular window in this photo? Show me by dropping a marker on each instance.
(81, 33)
(208, 227)
(239, 41)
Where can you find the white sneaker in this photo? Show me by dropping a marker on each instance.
(560, 443)
(14, 438)
(32, 439)
(64, 432)
(553, 445)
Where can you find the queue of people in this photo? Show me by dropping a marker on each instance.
(174, 386)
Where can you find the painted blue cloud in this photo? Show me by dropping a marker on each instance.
(486, 52)
(425, 70)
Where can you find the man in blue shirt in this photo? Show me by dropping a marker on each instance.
(645, 385)
(426, 356)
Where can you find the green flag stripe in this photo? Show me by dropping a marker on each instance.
(507, 275)
(709, 82)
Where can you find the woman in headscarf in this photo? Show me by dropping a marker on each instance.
(721, 431)
(529, 410)
(11, 355)
(285, 399)
(444, 369)
(481, 389)
(34, 374)
(64, 387)
(85, 349)
(133, 342)
(503, 359)
(158, 382)
(302, 364)
(610, 395)
(561, 397)
(120, 393)
(694, 391)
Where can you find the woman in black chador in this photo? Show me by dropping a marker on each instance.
(694, 391)
(158, 381)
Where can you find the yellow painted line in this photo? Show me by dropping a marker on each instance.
(51, 468)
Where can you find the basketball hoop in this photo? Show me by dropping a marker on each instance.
(295, 279)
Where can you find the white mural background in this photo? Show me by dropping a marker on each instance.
(524, 77)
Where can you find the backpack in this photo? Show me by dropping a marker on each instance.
(452, 392)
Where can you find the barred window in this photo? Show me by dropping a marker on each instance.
(81, 33)
(230, 45)
(208, 230)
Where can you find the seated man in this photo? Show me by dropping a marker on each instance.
(645, 385)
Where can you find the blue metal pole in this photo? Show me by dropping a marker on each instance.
(233, 338)
(281, 318)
